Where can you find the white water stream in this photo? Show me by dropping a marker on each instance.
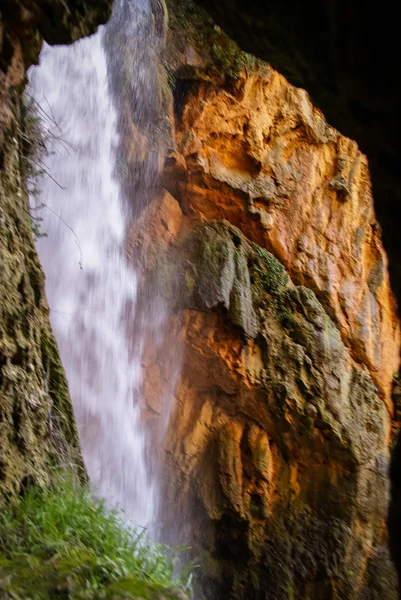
(91, 288)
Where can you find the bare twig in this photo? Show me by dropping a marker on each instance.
(47, 173)
(49, 118)
(63, 314)
(53, 117)
(73, 232)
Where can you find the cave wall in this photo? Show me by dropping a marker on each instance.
(345, 56)
(37, 428)
(266, 242)
(279, 445)
(253, 150)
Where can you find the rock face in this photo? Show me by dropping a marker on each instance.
(254, 151)
(345, 58)
(266, 241)
(332, 50)
(37, 430)
(278, 445)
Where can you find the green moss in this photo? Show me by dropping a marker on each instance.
(64, 447)
(241, 308)
(210, 566)
(268, 271)
(60, 542)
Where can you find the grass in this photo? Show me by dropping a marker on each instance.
(62, 543)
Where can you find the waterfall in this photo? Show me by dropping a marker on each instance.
(91, 287)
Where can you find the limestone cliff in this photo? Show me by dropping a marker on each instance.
(345, 57)
(37, 429)
(267, 245)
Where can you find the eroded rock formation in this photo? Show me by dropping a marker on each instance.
(267, 243)
(345, 57)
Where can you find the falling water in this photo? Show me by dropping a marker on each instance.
(91, 288)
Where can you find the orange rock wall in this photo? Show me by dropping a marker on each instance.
(277, 450)
(259, 155)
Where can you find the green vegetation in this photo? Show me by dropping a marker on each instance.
(60, 542)
(64, 449)
(270, 272)
(33, 138)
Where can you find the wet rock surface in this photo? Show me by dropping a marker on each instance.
(266, 240)
(277, 452)
(250, 148)
(328, 51)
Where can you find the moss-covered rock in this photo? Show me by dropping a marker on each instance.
(37, 424)
(214, 267)
(219, 57)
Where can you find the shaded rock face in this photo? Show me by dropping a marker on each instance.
(278, 448)
(37, 424)
(37, 429)
(284, 443)
(55, 21)
(277, 452)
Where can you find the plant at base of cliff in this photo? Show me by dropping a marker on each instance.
(62, 539)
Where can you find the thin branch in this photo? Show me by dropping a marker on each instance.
(53, 120)
(47, 173)
(52, 114)
(64, 144)
(73, 232)
(49, 118)
(80, 253)
(63, 314)
(80, 310)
